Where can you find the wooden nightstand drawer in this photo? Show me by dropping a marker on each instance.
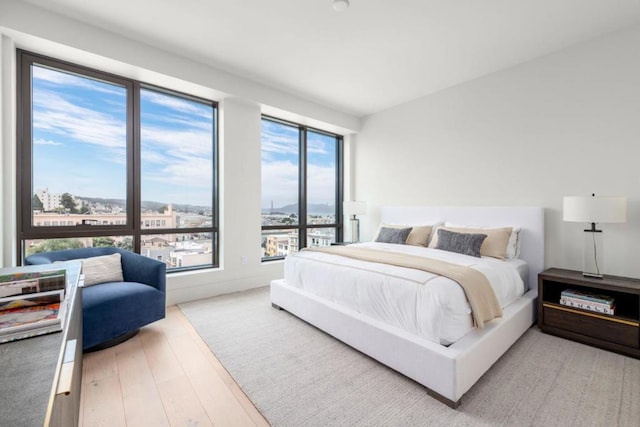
(619, 332)
(593, 325)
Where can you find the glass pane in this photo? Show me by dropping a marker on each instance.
(179, 250)
(280, 162)
(321, 236)
(279, 243)
(177, 138)
(47, 245)
(321, 178)
(79, 139)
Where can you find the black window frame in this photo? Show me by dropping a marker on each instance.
(302, 227)
(27, 231)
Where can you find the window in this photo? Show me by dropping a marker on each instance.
(301, 188)
(110, 161)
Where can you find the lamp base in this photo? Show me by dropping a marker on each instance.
(594, 275)
(355, 230)
(592, 262)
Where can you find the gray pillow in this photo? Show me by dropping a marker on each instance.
(393, 235)
(462, 243)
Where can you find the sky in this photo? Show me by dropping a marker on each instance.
(79, 141)
(280, 163)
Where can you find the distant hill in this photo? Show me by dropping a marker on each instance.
(146, 204)
(313, 208)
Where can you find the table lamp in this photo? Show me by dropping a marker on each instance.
(594, 209)
(354, 208)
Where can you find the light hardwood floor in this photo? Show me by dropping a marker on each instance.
(164, 376)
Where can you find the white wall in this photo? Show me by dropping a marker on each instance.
(7, 152)
(240, 233)
(241, 104)
(566, 124)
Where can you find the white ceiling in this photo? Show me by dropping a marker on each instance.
(374, 55)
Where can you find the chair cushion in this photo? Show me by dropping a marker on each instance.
(115, 308)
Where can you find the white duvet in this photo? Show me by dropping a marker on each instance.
(422, 303)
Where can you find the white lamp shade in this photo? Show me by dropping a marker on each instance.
(600, 209)
(355, 208)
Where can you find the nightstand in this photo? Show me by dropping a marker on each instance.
(619, 332)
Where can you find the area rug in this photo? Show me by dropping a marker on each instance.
(296, 375)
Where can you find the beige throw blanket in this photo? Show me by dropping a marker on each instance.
(482, 299)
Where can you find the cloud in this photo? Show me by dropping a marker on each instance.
(152, 156)
(54, 114)
(180, 181)
(184, 121)
(279, 183)
(61, 78)
(316, 147)
(177, 152)
(41, 141)
(317, 143)
(178, 105)
(321, 184)
(177, 164)
(278, 141)
(177, 139)
(179, 142)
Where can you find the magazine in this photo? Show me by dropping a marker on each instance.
(30, 300)
(28, 321)
(28, 333)
(32, 282)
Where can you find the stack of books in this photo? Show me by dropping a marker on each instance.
(588, 301)
(31, 303)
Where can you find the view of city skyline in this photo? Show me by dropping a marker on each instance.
(81, 157)
(79, 134)
(85, 147)
(283, 188)
(280, 166)
(79, 125)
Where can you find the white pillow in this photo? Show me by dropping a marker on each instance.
(102, 269)
(513, 247)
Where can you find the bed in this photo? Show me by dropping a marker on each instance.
(448, 365)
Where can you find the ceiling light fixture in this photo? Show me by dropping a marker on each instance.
(340, 5)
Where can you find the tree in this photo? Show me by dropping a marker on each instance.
(36, 203)
(99, 242)
(67, 202)
(84, 210)
(163, 209)
(126, 244)
(54, 245)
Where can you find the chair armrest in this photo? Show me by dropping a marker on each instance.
(138, 268)
(42, 258)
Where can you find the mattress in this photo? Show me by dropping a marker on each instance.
(424, 304)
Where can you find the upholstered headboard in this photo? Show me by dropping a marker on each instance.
(529, 219)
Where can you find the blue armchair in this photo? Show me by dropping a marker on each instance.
(113, 312)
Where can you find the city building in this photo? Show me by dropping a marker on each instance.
(50, 201)
(167, 219)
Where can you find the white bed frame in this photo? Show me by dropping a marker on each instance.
(447, 372)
